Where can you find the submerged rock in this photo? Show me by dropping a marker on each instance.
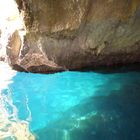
(109, 117)
(77, 34)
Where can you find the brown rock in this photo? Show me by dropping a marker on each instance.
(76, 34)
(14, 46)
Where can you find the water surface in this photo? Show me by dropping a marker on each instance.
(79, 105)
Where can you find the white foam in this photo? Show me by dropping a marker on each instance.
(10, 126)
(6, 74)
(10, 21)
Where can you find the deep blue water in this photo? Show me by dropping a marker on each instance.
(79, 105)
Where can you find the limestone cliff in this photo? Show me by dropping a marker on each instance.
(75, 34)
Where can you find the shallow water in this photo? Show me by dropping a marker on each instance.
(11, 127)
(78, 105)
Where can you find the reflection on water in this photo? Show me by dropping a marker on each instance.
(11, 128)
(79, 106)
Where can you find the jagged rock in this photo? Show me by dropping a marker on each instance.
(14, 46)
(77, 34)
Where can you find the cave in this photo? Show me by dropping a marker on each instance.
(76, 35)
(70, 70)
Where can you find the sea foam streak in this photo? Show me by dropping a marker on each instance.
(10, 126)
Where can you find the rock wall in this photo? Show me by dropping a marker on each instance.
(76, 34)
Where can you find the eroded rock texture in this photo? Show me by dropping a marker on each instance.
(75, 34)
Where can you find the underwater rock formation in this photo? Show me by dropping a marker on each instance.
(77, 34)
(98, 118)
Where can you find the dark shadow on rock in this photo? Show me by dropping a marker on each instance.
(118, 68)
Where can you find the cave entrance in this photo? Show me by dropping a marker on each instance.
(10, 21)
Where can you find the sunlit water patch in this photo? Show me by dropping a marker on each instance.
(11, 127)
(79, 105)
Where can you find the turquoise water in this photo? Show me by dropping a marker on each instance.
(79, 105)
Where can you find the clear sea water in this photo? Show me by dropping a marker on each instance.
(79, 105)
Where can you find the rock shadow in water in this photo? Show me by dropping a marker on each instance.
(112, 117)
